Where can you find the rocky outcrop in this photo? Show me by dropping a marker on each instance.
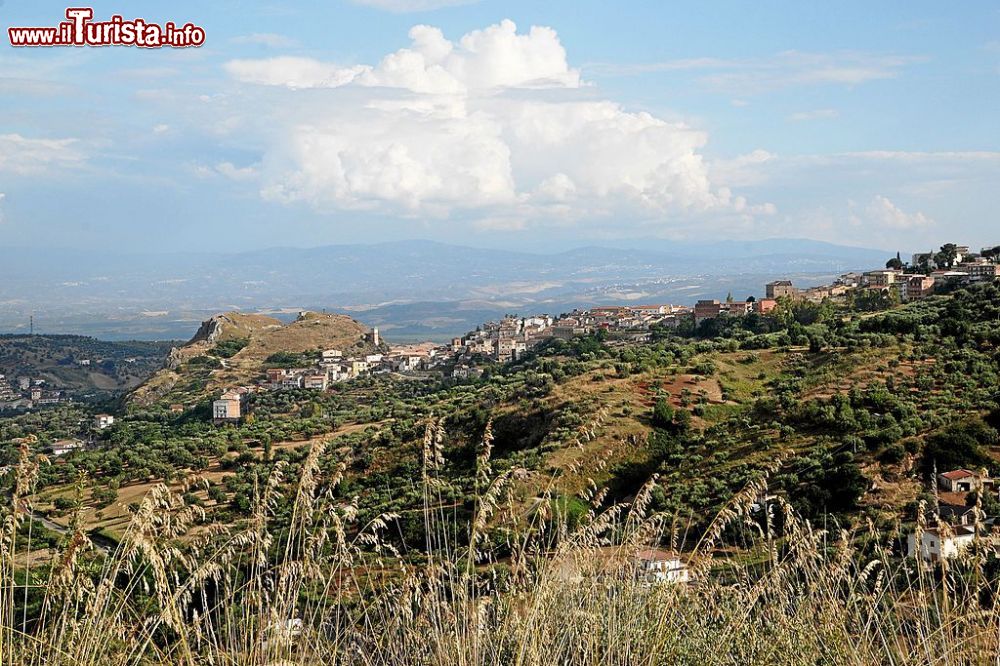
(211, 330)
(174, 359)
(262, 336)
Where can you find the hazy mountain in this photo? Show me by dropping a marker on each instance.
(414, 286)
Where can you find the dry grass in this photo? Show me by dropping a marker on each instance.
(485, 593)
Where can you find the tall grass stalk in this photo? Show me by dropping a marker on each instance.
(510, 585)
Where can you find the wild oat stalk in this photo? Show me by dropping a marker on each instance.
(316, 587)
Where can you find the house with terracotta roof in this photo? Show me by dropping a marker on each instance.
(964, 481)
(706, 309)
(765, 305)
(65, 446)
(228, 408)
(738, 308)
(318, 382)
(918, 286)
(102, 421)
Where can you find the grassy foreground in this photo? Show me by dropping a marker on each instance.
(506, 587)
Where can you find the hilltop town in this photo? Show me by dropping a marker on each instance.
(511, 337)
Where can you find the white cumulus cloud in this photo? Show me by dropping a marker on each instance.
(495, 122)
(884, 212)
(495, 57)
(291, 72)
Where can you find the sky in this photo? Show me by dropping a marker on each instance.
(514, 124)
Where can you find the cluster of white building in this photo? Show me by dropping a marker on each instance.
(333, 366)
(511, 337)
(27, 393)
(621, 318)
(911, 285)
(502, 341)
(499, 341)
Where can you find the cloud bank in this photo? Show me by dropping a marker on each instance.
(497, 123)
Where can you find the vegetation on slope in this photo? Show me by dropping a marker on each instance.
(591, 444)
(112, 366)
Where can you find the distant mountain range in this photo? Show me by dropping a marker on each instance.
(413, 289)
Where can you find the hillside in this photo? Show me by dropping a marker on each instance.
(80, 365)
(846, 411)
(232, 349)
(832, 419)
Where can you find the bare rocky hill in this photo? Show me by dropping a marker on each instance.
(233, 349)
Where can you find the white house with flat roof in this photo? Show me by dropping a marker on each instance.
(937, 544)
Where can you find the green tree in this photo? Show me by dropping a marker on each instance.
(947, 257)
(663, 414)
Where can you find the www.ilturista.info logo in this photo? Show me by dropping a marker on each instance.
(81, 30)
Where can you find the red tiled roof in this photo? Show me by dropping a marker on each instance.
(656, 554)
(958, 474)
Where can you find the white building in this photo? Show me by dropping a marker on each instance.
(64, 446)
(228, 408)
(981, 271)
(936, 546)
(963, 481)
(318, 382)
(291, 382)
(661, 566)
(102, 421)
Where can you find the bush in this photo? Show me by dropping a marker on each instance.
(663, 414)
(229, 348)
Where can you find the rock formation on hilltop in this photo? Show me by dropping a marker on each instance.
(232, 349)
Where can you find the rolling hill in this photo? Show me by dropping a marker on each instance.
(76, 364)
(232, 349)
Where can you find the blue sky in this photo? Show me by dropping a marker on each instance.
(513, 124)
